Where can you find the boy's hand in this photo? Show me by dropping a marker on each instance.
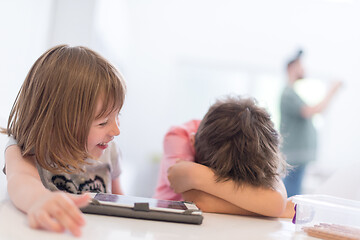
(289, 210)
(182, 175)
(57, 211)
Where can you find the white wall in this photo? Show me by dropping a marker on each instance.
(178, 56)
(24, 32)
(24, 27)
(72, 22)
(181, 55)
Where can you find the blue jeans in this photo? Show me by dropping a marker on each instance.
(293, 181)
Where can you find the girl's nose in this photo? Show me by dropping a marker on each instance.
(115, 128)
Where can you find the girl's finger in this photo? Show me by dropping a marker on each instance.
(71, 204)
(66, 220)
(48, 223)
(33, 223)
(81, 200)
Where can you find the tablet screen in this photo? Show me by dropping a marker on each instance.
(155, 204)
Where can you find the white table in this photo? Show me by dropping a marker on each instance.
(14, 226)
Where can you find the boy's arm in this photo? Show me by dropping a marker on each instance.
(55, 211)
(209, 203)
(185, 176)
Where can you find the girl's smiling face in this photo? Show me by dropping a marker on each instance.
(102, 131)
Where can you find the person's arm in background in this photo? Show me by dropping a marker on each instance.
(309, 111)
(54, 211)
(185, 176)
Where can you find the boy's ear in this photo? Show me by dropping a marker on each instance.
(192, 139)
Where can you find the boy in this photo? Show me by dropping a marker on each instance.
(227, 163)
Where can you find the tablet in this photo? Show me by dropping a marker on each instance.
(153, 204)
(143, 208)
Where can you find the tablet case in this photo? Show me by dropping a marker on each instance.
(141, 211)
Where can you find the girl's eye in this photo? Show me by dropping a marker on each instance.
(103, 124)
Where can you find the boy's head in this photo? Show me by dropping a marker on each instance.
(237, 139)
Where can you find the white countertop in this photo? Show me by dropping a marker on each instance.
(14, 226)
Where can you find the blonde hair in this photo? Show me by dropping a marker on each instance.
(55, 107)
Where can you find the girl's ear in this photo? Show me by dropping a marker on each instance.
(192, 139)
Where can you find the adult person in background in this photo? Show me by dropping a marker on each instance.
(296, 126)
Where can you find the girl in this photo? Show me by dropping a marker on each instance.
(60, 132)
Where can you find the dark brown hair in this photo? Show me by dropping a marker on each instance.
(238, 141)
(54, 109)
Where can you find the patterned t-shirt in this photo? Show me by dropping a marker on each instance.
(97, 176)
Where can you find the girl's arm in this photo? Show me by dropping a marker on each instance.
(185, 176)
(54, 211)
(116, 187)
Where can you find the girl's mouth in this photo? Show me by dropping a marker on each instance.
(102, 145)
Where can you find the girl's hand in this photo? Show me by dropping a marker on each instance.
(57, 211)
(183, 176)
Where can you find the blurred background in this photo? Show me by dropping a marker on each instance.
(178, 57)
